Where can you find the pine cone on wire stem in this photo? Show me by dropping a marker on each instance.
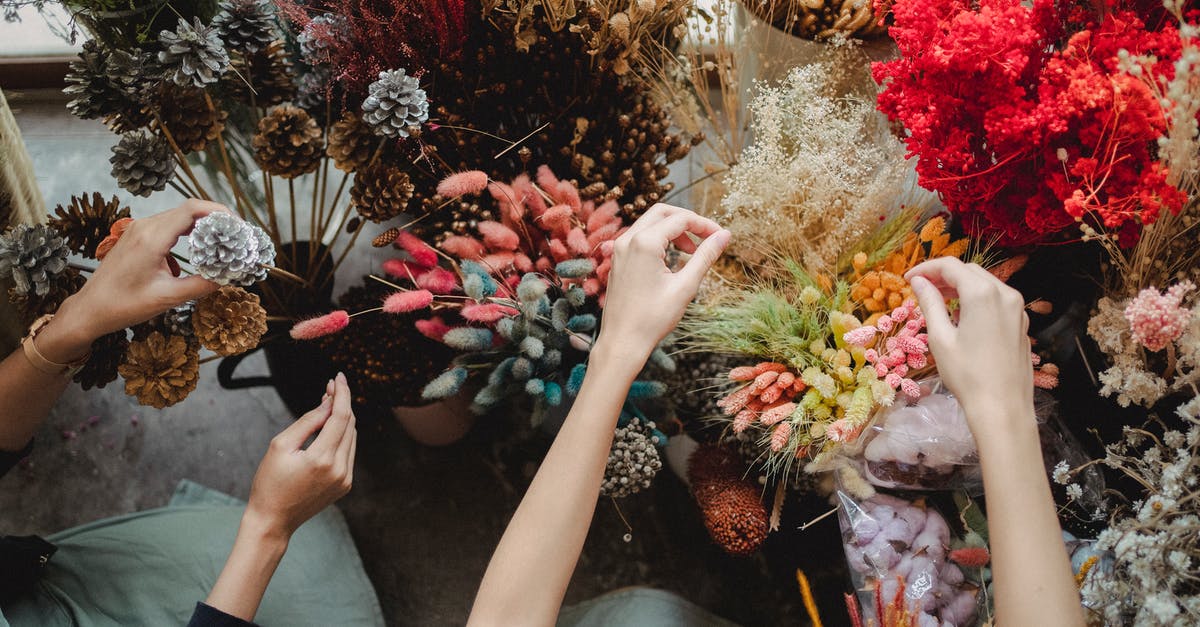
(262, 78)
(192, 55)
(85, 222)
(33, 256)
(288, 143)
(142, 163)
(160, 370)
(351, 143)
(98, 90)
(246, 25)
(107, 353)
(229, 321)
(394, 104)
(381, 191)
(230, 251)
(190, 119)
(31, 306)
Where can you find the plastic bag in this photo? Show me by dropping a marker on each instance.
(923, 444)
(897, 552)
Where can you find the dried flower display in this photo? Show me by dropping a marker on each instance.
(824, 19)
(1052, 133)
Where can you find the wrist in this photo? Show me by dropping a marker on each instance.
(616, 355)
(67, 337)
(264, 531)
(1003, 428)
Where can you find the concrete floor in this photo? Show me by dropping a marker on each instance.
(425, 520)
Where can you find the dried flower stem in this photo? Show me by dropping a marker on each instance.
(181, 158)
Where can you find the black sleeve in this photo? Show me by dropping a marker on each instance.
(206, 616)
(8, 460)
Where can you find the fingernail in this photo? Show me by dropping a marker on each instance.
(341, 377)
(919, 283)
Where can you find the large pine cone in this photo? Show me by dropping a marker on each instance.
(160, 370)
(189, 119)
(288, 142)
(229, 321)
(107, 354)
(85, 222)
(381, 191)
(351, 143)
(262, 78)
(31, 306)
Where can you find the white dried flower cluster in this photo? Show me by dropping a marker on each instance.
(1129, 377)
(1155, 544)
(822, 169)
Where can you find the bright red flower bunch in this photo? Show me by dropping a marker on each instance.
(1024, 128)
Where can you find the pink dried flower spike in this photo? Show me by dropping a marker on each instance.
(405, 302)
(320, 326)
(463, 184)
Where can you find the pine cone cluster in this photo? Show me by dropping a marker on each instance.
(381, 191)
(31, 306)
(245, 25)
(730, 504)
(86, 221)
(142, 163)
(192, 55)
(107, 353)
(101, 86)
(229, 321)
(160, 370)
(189, 118)
(633, 460)
(288, 142)
(394, 103)
(351, 143)
(33, 256)
(230, 251)
(262, 78)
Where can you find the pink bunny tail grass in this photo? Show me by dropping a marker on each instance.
(498, 237)
(603, 270)
(533, 200)
(604, 215)
(522, 262)
(604, 235)
(971, 557)
(421, 252)
(498, 261)
(402, 269)
(862, 336)
(777, 414)
(433, 328)
(546, 179)
(743, 373)
(569, 194)
(577, 242)
(557, 218)
(780, 436)
(320, 326)
(558, 250)
(463, 247)
(405, 302)
(487, 312)
(463, 184)
(438, 281)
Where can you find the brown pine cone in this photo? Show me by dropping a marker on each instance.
(160, 370)
(86, 221)
(459, 217)
(30, 306)
(351, 143)
(229, 321)
(288, 142)
(730, 504)
(262, 78)
(381, 191)
(188, 118)
(101, 368)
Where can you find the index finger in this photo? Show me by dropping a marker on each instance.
(173, 223)
(673, 227)
(947, 274)
(339, 419)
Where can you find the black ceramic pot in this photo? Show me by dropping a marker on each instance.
(297, 370)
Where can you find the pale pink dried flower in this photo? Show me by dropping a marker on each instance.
(463, 184)
(1156, 319)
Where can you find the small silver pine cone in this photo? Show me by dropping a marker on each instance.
(178, 320)
(633, 460)
(246, 25)
(142, 163)
(192, 55)
(395, 103)
(101, 87)
(229, 251)
(33, 255)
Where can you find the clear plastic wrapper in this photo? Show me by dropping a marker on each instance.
(898, 554)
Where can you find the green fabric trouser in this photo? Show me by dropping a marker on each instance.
(150, 568)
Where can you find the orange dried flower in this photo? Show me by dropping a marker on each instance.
(114, 233)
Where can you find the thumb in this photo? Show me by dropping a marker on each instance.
(293, 437)
(705, 256)
(190, 288)
(933, 306)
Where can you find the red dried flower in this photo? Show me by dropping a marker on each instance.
(320, 326)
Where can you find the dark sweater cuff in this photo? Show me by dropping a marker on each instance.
(207, 616)
(8, 460)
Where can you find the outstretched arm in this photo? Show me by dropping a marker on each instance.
(985, 361)
(133, 284)
(527, 578)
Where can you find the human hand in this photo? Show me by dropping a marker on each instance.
(294, 483)
(984, 359)
(134, 282)
(645, 299)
